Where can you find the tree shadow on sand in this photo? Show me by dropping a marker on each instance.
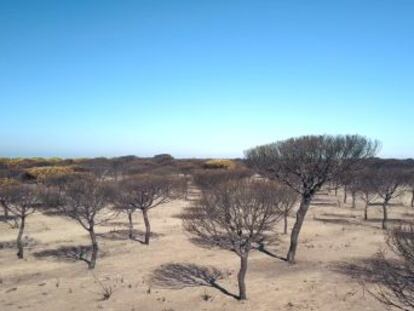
(337, 215)
(68, 253)
(395, 221)
(123, 235)
(8, 218)
(337, 221)
(265, 246)
(181, 275)
(260, 246)
(190, 213)
(375, 270)
(27, 243)
(114, 224)
(373, 222)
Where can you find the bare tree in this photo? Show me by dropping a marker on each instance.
(235, 215)
(122, 203)
(388, 182)
(353, 188)
(363, 185)
(286, 198)
(59, 181)
(345, 182)
(22, 201)
(85, 200)
(5, 184)
(145, 192)
(410, 183)
(347, 179)
(396, 277)
(306, 163)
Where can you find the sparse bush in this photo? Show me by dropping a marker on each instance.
(206, 179)
(220, 164)
(106, 290)
(45, 172)
(163, 158)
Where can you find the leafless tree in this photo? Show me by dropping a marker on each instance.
(410, 183)
(306, 164)
(286, 198)
(84, 200)
(388, 182)
(363, 185)
(22, 201)
(235, 215)
(346, 181)
(396, 277)
(353, 186)
(60, 181)
(5, 184)
(145, 192)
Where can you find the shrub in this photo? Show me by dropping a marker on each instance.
(220, 164)
(44, 172)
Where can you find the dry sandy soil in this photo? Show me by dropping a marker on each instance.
(332, 240)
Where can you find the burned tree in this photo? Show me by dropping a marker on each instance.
(351, 185)
(306, 163)
(122, 203)
(396, 277)
(144, 192)
(363, 185)
(388, 183)
(22, 201)
(287, 201)
(345, 179)
(84, 200)
(235, 215)
(410, 182)
(5, 185)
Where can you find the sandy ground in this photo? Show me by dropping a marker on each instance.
(332, 238)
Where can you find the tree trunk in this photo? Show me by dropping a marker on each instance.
(94, 255)
(6, 211)
(241, 276)
(353, 199)
(345, 194)
(19, 241)
(412, 198)
(336, 191)
(285, 217)
(300, 217)
(187, 187)
(366, 211)
(147, 226)
(385, 214)
(130, 226)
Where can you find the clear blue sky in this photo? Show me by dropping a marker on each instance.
(202, 78)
